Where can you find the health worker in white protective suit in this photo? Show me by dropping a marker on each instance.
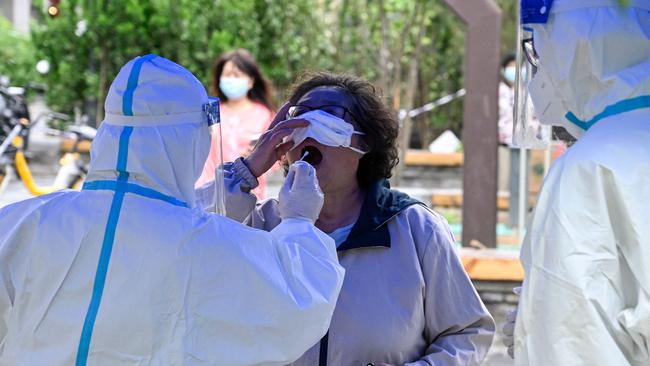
(129, 272)
(586, 294)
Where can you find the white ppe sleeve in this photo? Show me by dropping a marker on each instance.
(239, 201)
(281, 293)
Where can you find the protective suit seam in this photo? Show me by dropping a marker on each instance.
(105, 250)
(132, 83)
(137, 190)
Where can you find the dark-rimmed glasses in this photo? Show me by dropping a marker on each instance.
(333, 109)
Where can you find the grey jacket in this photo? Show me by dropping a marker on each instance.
(406, 298)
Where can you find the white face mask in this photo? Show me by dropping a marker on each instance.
(326, 129)
(549, 107)
(509, 74)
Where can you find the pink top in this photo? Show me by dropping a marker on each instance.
(239, 130)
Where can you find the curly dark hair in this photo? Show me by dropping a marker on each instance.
(374, 119)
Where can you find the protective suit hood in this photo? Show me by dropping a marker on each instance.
(166, 139)
(586, 73)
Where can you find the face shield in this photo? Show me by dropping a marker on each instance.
(214, 124)
(592, 65)
(528, 132)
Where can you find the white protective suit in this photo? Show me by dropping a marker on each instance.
(128, 272)
(586, 294)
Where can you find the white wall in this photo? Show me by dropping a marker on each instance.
(18, 12)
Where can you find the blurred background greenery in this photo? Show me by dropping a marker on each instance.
(411, 49)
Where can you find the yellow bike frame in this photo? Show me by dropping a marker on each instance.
(25, 174)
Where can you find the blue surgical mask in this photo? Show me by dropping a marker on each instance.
(509, 74)
(233, 87)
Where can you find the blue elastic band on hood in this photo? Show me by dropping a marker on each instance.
(623, 106)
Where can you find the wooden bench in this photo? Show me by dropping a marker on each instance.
(492, 265)
(453, 198)
(426, 158)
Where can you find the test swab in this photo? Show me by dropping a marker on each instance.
(304, 155)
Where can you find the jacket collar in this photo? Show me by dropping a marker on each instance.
(380, 205)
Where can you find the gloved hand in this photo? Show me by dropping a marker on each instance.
(508, 328)
(300, 195)
(270, 148)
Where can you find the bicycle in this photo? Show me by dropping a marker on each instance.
(73, 164)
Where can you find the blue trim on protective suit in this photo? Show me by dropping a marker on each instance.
(111, 185)
(132, 83)
(623, 106)
(107, 248)
(123, 154)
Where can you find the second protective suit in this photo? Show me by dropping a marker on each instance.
(586, 294)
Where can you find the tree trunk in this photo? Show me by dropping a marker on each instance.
(397, 82)
(384, 52)
(422, 124)
(405, 131)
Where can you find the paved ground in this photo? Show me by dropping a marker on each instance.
(498, 355)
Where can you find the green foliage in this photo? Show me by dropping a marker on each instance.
(452, 216)
(508, 26)
(358, 40)
(442, 69)
(293, 38)
(91, 39)
(17, 55)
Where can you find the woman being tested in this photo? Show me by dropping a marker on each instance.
(406, 298)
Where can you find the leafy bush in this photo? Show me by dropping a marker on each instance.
(17, 55)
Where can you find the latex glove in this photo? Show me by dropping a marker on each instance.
(508, 328)
(300, 196)
(269, 148)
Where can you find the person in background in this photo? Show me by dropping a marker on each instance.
(507, 99)
(406, 298)
(509, 155)
(246, 109)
